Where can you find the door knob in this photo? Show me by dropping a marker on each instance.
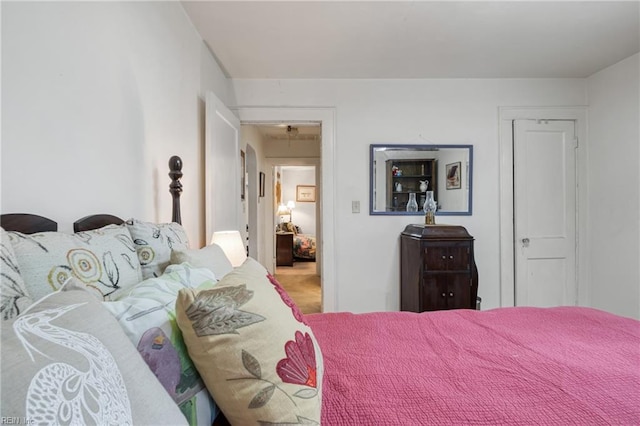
(525, 242)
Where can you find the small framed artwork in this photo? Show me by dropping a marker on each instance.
(261, 185)
(278, 189)
(242, 172)
(453, 175)
(305, 193)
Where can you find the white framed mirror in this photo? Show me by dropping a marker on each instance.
(397, 171)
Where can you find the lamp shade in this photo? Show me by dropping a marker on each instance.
(282, 209)
(291, 205)
(231, 243)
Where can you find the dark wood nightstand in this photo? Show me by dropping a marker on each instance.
(284, 248)
(438, 270)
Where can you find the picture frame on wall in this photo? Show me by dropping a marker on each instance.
(242, 174)
(261, 184)
(305, 193)
(453, 175)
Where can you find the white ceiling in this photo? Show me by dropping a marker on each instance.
(417, 39)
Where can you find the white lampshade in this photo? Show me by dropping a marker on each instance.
(291, 205)
(231, 243)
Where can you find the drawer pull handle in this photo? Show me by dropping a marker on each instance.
(444, 257)
(451, 294)
(451, 257)
(444, 294)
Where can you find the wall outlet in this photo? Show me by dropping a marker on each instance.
(355, 207)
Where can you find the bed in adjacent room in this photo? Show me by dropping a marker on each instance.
(304, 245)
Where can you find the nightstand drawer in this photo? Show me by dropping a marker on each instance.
(449, 257)
(446, 292)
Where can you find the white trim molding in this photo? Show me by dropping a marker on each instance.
(326, 116)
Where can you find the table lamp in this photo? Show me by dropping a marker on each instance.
(231, 244)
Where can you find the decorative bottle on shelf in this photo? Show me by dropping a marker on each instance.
(424, 185)
(430, 207)
(412, 204)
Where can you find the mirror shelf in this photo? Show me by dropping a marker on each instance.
(396, 171)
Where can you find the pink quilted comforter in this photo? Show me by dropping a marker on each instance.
(555, 366)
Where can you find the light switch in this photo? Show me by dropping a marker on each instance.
(355, 207)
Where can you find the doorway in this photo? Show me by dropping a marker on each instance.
(297, 227)
(290, 160)
(325, 188)
(539, 154)
(296, 218)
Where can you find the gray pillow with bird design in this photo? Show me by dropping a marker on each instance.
(65, 360)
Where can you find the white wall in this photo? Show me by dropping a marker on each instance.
(447, 111)
(95, 99)
(614, 182)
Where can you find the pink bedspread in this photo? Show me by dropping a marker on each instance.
(556, 366)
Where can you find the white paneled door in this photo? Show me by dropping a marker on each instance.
(545, 212)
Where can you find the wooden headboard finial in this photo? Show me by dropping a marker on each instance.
(175, 187)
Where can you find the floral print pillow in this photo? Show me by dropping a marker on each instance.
(154, 242)
(14, 296)
(251, 345)
(103, 259)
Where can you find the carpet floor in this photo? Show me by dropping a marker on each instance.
(303, 285)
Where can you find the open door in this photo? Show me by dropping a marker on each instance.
(223, 208)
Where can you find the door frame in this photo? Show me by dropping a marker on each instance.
(326, 240)
(251, 199)
(507, 218)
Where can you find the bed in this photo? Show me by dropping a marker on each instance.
(555, 366)
(304, 245)
(564, 365)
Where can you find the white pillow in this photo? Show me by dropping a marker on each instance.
(211, 257)
(14, 295)
(103, 259)
(146, 313)
(154, 242)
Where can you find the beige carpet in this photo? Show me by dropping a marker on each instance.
(302, 284)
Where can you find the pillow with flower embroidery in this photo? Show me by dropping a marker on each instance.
(257, 356)
(154, 242)
(104, 260)
(14, 295)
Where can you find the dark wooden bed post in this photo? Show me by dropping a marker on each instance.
(175, 187)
